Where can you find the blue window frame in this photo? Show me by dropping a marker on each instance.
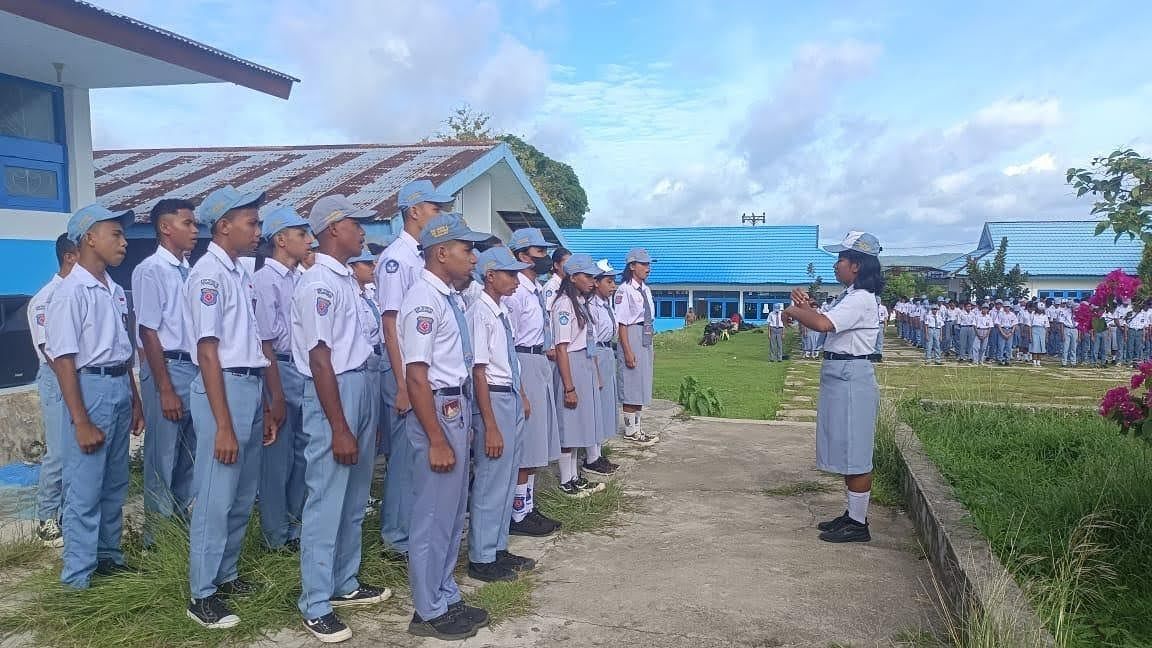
(670, 303)
(33, 157)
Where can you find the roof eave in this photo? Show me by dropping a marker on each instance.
(132, 35)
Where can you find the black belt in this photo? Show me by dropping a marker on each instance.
(536, 349)
(606, 345)
(178, 355)
(448, 391)
(828, 355)
(965, 326)
(378, 349)
(244, 371)
(114, 371)
(501, 389)
(284, 357)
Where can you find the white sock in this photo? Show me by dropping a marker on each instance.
(593, 452)
(858, 506)
(520, 503)
(567, 471)
(530, 500)
(575, 462)
(630, 423)
(639, 426)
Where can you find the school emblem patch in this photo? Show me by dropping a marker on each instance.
(423, 325)
(392, 265)
(40, 319)
(322, 306)
(209, 296)
(450, 409)
(564, 319)
(619, 299)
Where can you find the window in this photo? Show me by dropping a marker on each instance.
(33, 171)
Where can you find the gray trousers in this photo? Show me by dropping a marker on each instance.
(775, 344)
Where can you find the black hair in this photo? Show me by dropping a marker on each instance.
(579, 302)
(869, 277)
(167, 206)
(375, 248)
(559, 254)
(64, 245)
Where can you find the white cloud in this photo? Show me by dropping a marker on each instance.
(1045, 162)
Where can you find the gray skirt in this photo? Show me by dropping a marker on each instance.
(846, 416)
(580, 427)
(636, 384)
(541, 437)
(609, 405)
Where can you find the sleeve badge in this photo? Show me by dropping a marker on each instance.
(564, 319)
(619, 299)
(41, 319)
(391, 266)
(322, 306)
(423, 325)
(209, 296)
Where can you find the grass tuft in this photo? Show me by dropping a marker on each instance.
(24, 550)
(799, 488)
(505, 601)
(596, 513)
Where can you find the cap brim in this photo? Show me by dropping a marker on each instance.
(439, 198)
(472, 237)
(514, 267)
(363, 214)
(836, 249)
(126, 217)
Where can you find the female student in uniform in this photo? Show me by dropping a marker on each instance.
(580, 395)
(849, 396)
(604, 333)
(1039, 342)
(634, 310)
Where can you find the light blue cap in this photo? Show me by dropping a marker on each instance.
(217, 203)
(280, 219)
(528, 237)
(637, 255)
(333, 209)
(496, 258)
(862, 242)
(419, 191)
(581, 264)
(448, 227)
(364, 257)
(83, 220)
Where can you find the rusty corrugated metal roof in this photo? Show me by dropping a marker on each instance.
(369, 174)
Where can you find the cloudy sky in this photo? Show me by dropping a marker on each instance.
(916, 120)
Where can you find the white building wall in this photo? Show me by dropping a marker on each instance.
(475, 202)
(1063, 283)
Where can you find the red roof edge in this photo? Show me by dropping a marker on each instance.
(127, 33)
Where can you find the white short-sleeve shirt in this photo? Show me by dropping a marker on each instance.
(603, 319)
(219, 302)
(370, 317)
(429, 333)
(983, 321)
(629, 302)
(275, 286)
(489, 340)
(882, 313)
(528, 318)
(854, 324)
(396, 270)
(157, 298)
(551, 288)
(327, 308)
(566, 326)
(1040, 320)
(89, 319)
(38, 314)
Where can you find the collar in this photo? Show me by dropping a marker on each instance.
(332, 264)
(87, 279)
(277, 267)
(637, 284)
(166, 255)
(219, 253)
(497, 309)
(436, 282)
(408, 240)
(531, 285)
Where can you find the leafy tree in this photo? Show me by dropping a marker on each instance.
(556, 182)
(1122, 186)
(816, 283)
(991, 279)
(908, 284)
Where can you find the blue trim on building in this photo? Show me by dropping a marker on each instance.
(499, 153)
(29, 263)
(38, 155)
(1056, 249)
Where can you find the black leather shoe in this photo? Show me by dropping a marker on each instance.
(478, 617)
(449, 626)
(491, 572)
(514, 562)
(834, 523)
(850, 531)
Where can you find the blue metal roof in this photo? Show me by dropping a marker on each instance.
(1057, 248)
(720, 255)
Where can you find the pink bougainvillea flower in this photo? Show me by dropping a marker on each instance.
(1138, 379)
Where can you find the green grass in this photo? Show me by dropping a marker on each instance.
(22, 551)
(800, 488)
(738, 369)
(1064, 500)
(596, 513)
(505, 601)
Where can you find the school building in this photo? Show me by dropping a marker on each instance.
(1062, 258)
(716, 271)
(492, 191)
(52, 52)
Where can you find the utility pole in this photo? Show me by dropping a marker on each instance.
(753, 218)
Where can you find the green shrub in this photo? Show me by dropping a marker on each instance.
(697, 400)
